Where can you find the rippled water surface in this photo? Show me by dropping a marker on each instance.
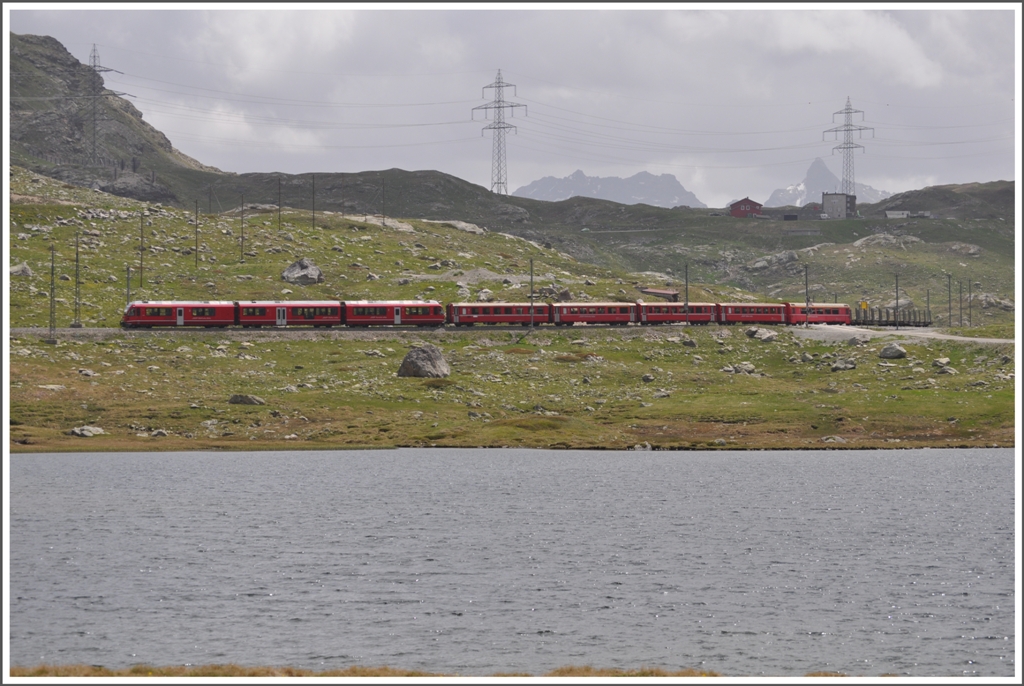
(485, 561)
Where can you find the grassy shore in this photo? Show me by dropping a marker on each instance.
(582, 387)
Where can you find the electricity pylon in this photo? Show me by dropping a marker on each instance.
(498, 105)
(97, 92)
(848, 146)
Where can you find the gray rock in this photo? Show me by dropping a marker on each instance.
(245, 399)
(647, 378)
(766, 335)
(841, 365)
(859, 339)
(303, 273)
(158, 433)
(425, 361)
(892, 351)
(948, 370)
(940, 362)
(745, 368)
(833, 439)
(21, 270)
(86, 431)
(485, 295)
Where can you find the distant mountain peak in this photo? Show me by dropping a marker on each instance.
(820, 179)
(662, 190)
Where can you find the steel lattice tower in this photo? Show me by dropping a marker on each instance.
(848, 146)
(498, 105)
(97, 90)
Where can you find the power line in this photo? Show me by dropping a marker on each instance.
(848, 146)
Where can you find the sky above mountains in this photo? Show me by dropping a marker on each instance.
(732, 101)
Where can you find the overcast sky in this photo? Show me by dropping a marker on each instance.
(733, 102)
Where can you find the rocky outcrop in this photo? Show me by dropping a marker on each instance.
(303, 273)
(425, 361)
(21, 270)
(86, 431)
(766, 335)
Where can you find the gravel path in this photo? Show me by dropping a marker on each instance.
(841, 334)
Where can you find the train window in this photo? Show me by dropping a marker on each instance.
(417, 310)
(134, 312)
(254, 311)
(158, 312)
(202, 311)
(370, 311)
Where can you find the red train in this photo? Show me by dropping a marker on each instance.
(366, 313)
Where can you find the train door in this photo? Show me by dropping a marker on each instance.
(282, 316)
(398, 315)
(180, 311)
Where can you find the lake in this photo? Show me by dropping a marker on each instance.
(483, 561)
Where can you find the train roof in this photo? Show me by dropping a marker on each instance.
(595, 304)
(178, 303)
(390, 302)
(818, 304)
(751, 304)
(500, 303)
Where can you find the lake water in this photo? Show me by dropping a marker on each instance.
(484, 561)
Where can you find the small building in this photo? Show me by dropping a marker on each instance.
(745, 208)
(839, 205)
(896, 214)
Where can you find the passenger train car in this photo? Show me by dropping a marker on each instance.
(366, 313)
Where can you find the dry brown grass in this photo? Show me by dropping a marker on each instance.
(227, 670)
(233, 670)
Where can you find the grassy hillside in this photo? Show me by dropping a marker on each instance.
(579, 387)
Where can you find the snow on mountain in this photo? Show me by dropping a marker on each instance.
(820, 179)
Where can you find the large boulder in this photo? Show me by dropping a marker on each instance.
(21, 270)
(425, 361)
(892, 352)
(303, 273)
(86, 431)
(245, 399)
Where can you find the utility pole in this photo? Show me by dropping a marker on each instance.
(197, 233)
(314, 201)
(807, 299)
(961, 303)
(77, 324)
(52, 340)
(128, 284)
(686, 296)
(142, 247)
(241, 252)
(279, 203)
(949, 293)
(499, 184)
(848, 146)
(897, 312)
(970, 319)
(531, 293)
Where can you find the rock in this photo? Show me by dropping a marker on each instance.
(158, 433)
(859, 339)
(744, 368)
(833, 439)
(689, 342)
(86, 431)
(766, 335)
(647, 378)
(948, 370)
(841, 365)
(940, 362)
(484, 296)
(892, 351)
(21, 270)
(425, 361)
(643, 447)
(88, 372)
(245, 399)
(303, 273)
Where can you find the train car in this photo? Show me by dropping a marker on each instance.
(817, 313)
(315, 313)
(145, 314)
(391, 312)
(567, 314)
(468, 314)
(751, 313)
(670, 313)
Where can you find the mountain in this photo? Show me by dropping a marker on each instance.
(820, 180)
(659, 191)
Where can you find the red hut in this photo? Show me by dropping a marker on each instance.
(745, 208)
